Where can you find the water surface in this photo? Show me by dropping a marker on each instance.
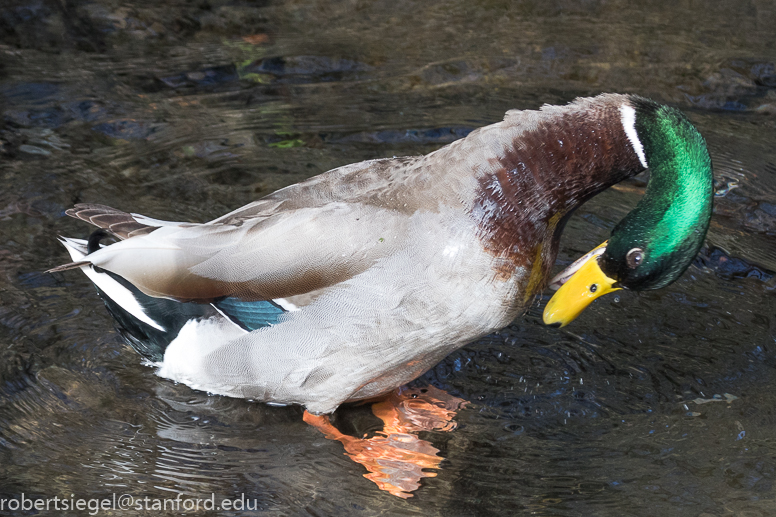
(658, 403)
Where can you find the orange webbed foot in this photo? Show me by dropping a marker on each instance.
(395, 457)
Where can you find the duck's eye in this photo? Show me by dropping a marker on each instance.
(594, 288)
(634, 258)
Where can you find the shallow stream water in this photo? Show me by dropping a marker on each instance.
(662, 403)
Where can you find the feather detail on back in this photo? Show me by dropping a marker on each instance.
(121, 224)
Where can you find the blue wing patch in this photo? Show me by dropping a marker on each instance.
(250, 315)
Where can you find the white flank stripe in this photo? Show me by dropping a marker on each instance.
(629, 124)
(286, 305)
(227, 318)
(121, 295)
(117, 292)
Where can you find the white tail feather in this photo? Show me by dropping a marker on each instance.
(117, 292)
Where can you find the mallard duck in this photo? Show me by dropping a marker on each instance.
(356, 281)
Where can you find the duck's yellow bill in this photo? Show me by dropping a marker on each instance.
(579, 291)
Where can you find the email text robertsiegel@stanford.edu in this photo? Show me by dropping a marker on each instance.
(120, 502)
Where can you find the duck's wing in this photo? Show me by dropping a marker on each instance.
(274, 253)
(298, 240)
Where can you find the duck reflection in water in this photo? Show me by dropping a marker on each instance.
(395, 456)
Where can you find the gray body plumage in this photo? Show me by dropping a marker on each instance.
(388, 265)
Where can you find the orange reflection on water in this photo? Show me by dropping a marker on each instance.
(395, 457)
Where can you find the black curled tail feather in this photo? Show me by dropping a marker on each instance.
(93, 244)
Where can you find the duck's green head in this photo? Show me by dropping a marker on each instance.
(654, 244)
